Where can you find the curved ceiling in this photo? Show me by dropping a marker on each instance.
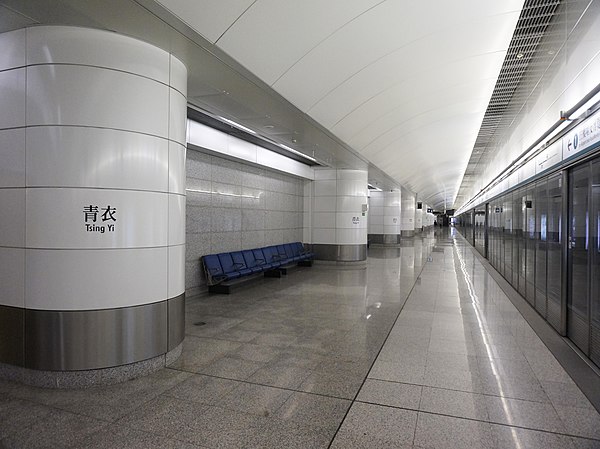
(404, 84)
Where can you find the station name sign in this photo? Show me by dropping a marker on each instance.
(99, 219)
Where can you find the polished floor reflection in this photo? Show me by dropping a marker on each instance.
(418, 349)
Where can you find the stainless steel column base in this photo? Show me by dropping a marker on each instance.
(88, 378)
(339, 253)
(407, 233)
(86, 340)
(384, 239)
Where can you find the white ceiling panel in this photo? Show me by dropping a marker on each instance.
(412, 64)
(210, 18)
(274, 34)
(378, 112)
(397, 125)
(404, 84)
(381, 32)
(421, 126)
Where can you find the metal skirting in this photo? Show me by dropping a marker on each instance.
(12, 337)
(340, 253)
(384, 239)
(176, 321)
(90, 339)
(407, 233)
(375, 239)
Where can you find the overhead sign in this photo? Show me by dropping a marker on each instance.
(582, 137)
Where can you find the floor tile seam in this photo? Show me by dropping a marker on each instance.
(156, 433)
(528, 362)
(489, 421)
(507, 299)
(173, 438)
(265, 364)
(469, 392)
(509, 292)
(414, 438)
(415, 279)
(293, 390)
(62, 409)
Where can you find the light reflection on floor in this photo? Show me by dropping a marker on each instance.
(419, 349)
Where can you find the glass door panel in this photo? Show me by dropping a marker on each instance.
(595, 264)
(508, 237)
(479, 218)
(530, 235)
(578, 320)
(554, 251)
(518, 243)
(541, 233)
(494, 214)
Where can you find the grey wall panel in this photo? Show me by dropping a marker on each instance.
(233, 206)
(82, 340)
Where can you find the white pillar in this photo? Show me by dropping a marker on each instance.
(338, 212)
(92, 135)
(419, 212)
(408, 206)
(385, 213)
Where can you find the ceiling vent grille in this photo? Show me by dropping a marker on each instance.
(523, 64)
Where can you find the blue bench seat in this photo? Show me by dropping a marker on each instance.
(225, 269)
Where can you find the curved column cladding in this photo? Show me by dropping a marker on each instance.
(385, 217)
(339, 203)
(407, 222)
(92, 151)
(419, 212)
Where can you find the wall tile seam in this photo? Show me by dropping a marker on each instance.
(95, 188)
(113, 248)
(266, 190)
(94, 66)
(80, 126)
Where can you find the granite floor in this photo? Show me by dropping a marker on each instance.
(420, 348)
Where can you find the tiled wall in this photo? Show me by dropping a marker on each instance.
(232, 206)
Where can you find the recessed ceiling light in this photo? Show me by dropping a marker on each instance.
(269, 126)
(551, 52)
(291, 150)
(520, 55)
(237, 125)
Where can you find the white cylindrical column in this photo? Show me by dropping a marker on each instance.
(339, 214)
(385, 214)
(428, 216)
(407, 218)
(419, 212)
(92, 133)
